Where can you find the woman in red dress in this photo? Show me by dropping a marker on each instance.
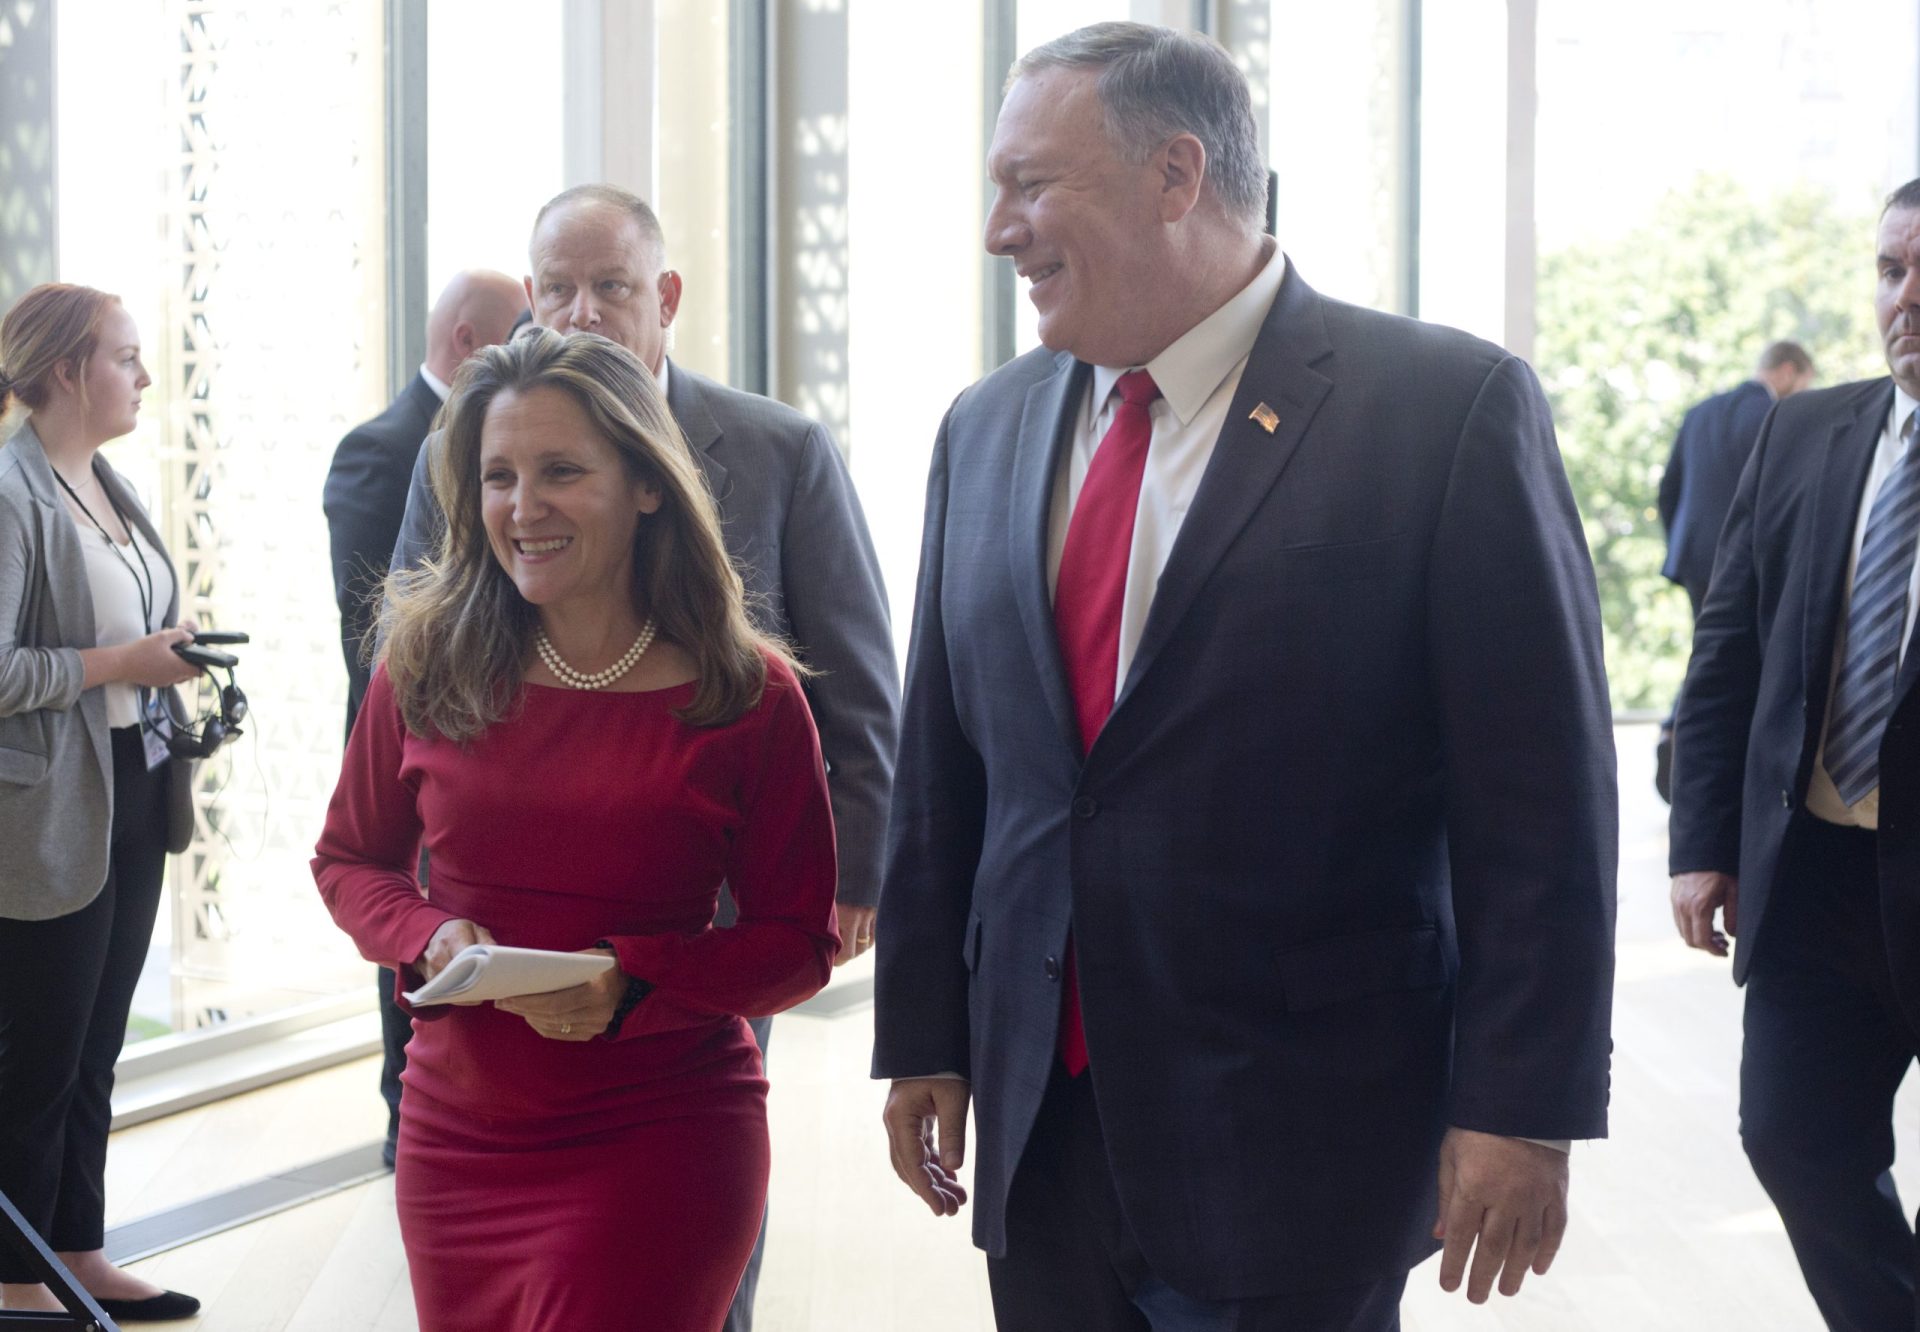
(575, 717)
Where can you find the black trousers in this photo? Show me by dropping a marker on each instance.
(66, 986)
(396, 1029)
(740, 1312)
(1072, 1260)
(1826, 1048)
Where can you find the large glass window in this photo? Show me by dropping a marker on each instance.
(915, 211)
(1708, 181)
(221, 166)
(495, 147)
(1335, 90)
(695, 154)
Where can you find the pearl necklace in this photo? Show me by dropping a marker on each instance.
(573, 679)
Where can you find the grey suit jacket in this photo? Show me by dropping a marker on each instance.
(796, 532)
(56, 766)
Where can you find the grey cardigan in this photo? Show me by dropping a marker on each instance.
(56, 765)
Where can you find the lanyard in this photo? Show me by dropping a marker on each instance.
(146, 589)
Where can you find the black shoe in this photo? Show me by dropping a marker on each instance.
(166, 1307)
(389, 1149)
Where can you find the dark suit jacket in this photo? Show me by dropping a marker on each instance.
(1709, 453)
(1339, 869)
(365, 496)
(795, 530)
(1748, 726)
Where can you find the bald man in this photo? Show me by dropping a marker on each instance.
(365, 498)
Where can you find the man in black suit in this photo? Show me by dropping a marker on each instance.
(1716, 436)
(365, 495)
(1796, 801)
(366, 490)
(1250, 867)
(788, 513)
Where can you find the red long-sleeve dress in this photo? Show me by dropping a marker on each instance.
(618, 1183)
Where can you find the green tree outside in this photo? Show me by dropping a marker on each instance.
(1634, 332)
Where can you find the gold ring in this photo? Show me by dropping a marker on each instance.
(566, 1028)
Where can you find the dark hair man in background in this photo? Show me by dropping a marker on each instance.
(1796, 797)
(365, 496)
(1716, 437)
(1251, 863)
(788, 513)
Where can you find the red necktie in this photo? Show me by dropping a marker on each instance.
(1086, 608)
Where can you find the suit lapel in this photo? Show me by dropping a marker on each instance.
(62, 561)
(1052, 407)
(695, 419)
(1850, 456)
(425, 402)
(1246, 461)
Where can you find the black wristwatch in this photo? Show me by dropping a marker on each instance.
(637, 990)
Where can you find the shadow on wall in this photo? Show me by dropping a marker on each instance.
(26, 147)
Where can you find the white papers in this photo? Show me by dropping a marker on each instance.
(490, 971)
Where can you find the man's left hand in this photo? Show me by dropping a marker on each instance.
(1507, 1194)
(576, 1014)
(856, 932)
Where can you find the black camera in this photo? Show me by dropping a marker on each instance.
(201, 738)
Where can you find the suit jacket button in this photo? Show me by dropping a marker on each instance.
(1786, 800)
(1053, 968)
(1085, 807)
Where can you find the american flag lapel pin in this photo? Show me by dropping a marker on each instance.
(1267, 418)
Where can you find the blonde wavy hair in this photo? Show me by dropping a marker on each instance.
(457, 635)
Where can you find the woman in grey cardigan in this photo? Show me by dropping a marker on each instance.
(90, 800)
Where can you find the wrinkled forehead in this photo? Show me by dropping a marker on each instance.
(1046, 113)
(1899, 236)
(593, 238)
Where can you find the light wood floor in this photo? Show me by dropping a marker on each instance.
(1669, 1229)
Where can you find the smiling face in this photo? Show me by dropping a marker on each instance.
(113, 377)
(1896, 295)
(1084, 227)
(558, 502)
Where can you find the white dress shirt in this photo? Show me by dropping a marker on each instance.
(1823, 798)
(1197, 376)
(440, 390)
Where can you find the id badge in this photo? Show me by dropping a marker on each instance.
(154, 736)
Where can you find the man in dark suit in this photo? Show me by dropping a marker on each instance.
(789, 516)
(1250, 866)
(1715, 438)
(1796, 800)
(366, 490)
(365, 495)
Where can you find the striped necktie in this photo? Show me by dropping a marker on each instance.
(1876, 619)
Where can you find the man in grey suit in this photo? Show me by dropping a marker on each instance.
(787, 510)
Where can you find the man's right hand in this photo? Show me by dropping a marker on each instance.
(1696, 896)
(926, 1121)
(445, 945)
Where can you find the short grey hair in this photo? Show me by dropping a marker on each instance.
(1157, 82)
(611, 196)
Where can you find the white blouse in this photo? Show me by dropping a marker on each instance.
(120, 592)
